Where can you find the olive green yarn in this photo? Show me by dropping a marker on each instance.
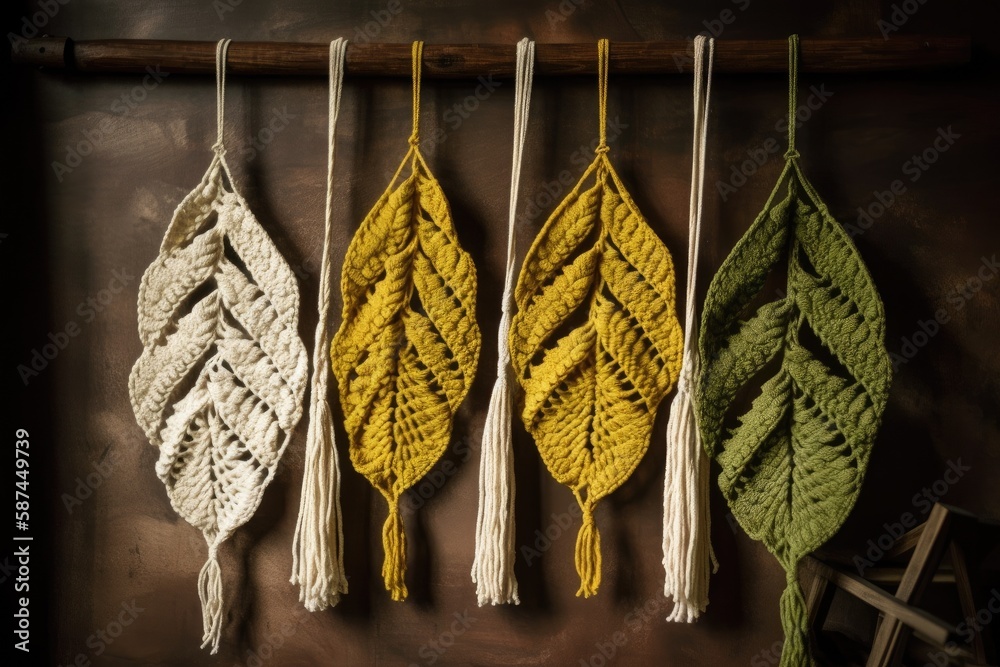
(792, 466)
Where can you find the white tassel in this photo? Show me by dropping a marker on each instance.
(493, 567)
(210, 594)
(318, 547)
(687, 546)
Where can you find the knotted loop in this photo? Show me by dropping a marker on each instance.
(418, 56)
(602, 93)
(793, 103)
(221, 53)
(690, 367)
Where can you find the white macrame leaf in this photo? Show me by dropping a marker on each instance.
(219, 385)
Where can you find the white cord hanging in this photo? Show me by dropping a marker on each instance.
(493, 567)
(687, 548)
(318, 547)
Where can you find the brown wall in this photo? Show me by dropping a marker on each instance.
(108, 214)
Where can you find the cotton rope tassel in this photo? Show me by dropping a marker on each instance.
(493, 567)
(318, 548)
(595, 343)
(218, 388)
(687, 547)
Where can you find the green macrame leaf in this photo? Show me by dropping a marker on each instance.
(792, 464)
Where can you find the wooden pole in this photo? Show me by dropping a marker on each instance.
(863, 54)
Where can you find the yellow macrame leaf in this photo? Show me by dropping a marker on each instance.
(595, 344)
(408, 346)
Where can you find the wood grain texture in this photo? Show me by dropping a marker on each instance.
(131, 146)
(849, 54)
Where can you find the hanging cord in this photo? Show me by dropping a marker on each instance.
(493, 567)
(221, 53)
(687, 548)
(602, 94)
(793, 101)
(417, 57)
(417, 162)
(318, 547)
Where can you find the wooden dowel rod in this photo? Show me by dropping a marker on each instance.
(867, 54)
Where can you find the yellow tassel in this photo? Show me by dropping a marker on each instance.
(588, 553)
(394, 544)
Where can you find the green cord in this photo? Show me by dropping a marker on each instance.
(793, 98)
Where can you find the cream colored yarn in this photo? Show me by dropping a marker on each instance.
(318, 548)
(688, 559)
(219, 385)
(493, 567)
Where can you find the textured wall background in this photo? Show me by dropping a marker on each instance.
(85, 229)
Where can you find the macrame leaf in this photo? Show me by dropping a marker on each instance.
(595, 344)
(792, 464)
(219, 385)
(407, 349)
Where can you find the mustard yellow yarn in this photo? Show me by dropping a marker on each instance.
(595, 344)
(408, 346)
